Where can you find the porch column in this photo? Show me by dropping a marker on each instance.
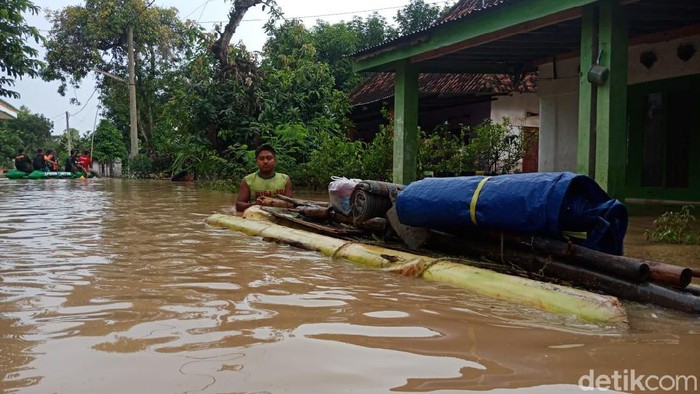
(585, 160)
(405, 123)
(611, 125)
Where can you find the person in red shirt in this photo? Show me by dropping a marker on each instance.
(84, 162)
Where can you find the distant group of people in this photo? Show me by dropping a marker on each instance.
(48, 161)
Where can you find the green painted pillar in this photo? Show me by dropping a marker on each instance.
(611, 123)
(405, 123)
(585, 160)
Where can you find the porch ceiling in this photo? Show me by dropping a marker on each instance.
(522, 47)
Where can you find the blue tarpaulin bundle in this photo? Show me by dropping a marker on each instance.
(560, 205)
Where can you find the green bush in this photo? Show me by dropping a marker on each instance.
(675, 228)
(377, 158)
(140, 166)
(335, 156)
(495, 148)
(442, 152)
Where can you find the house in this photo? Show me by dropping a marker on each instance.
(7, 111)
(452, 100)
(618, 82)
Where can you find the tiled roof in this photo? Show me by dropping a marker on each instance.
(380, 86)
(466, 7)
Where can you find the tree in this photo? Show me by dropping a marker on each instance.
(333, 43)
(33, 130)
(221, 46)
(417, 15)
(109, 143)
(9, 143)
(75, 140)
(16, 57)
(94, 37)
(298, 89)
(372, 31)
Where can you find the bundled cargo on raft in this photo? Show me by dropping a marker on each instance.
(551, 205)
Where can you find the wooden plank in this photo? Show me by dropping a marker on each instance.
(317, 227)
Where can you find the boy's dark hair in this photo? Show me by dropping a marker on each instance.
(39, 150)
(266, 147)
(20, 151)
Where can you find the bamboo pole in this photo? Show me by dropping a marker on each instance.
(631, 268)
(553, 269)
(548, 297)
(651, 293)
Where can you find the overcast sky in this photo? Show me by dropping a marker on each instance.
(42, 97)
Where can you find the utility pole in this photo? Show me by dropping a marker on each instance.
(68, 131)
(132, 95)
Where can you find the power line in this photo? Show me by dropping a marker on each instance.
(332, 14)
(86, 103)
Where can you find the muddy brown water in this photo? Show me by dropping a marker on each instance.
(119, 286)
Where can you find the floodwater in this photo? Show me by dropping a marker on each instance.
(119, 286)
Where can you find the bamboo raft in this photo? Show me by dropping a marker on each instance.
(547, 274)
(549, 297)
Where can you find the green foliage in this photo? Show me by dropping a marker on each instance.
(496, 147)
(377, 158)
(333, 43)
(33, 130)
(140, 166)
(93, 37)
(443, 152)
(338, 156)
(300, 106)
(298, 89)
(17, 58)
(75, 140)
(372, 31)
(335, 156)
(675, 228)
(206, 163)
(218, 110)
(9, 143)
(489, 147)
(109, 143)
(415, 16)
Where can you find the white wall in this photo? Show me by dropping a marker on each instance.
(668, 64)
(559, 97)
(558, 116)
(516, 107)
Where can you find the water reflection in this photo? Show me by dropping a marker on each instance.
(118, 286)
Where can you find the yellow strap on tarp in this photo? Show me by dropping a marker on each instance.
(575, 234)
(475, 197)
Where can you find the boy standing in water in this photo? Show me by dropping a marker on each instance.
(263, 183)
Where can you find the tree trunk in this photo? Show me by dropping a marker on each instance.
(221, 46)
